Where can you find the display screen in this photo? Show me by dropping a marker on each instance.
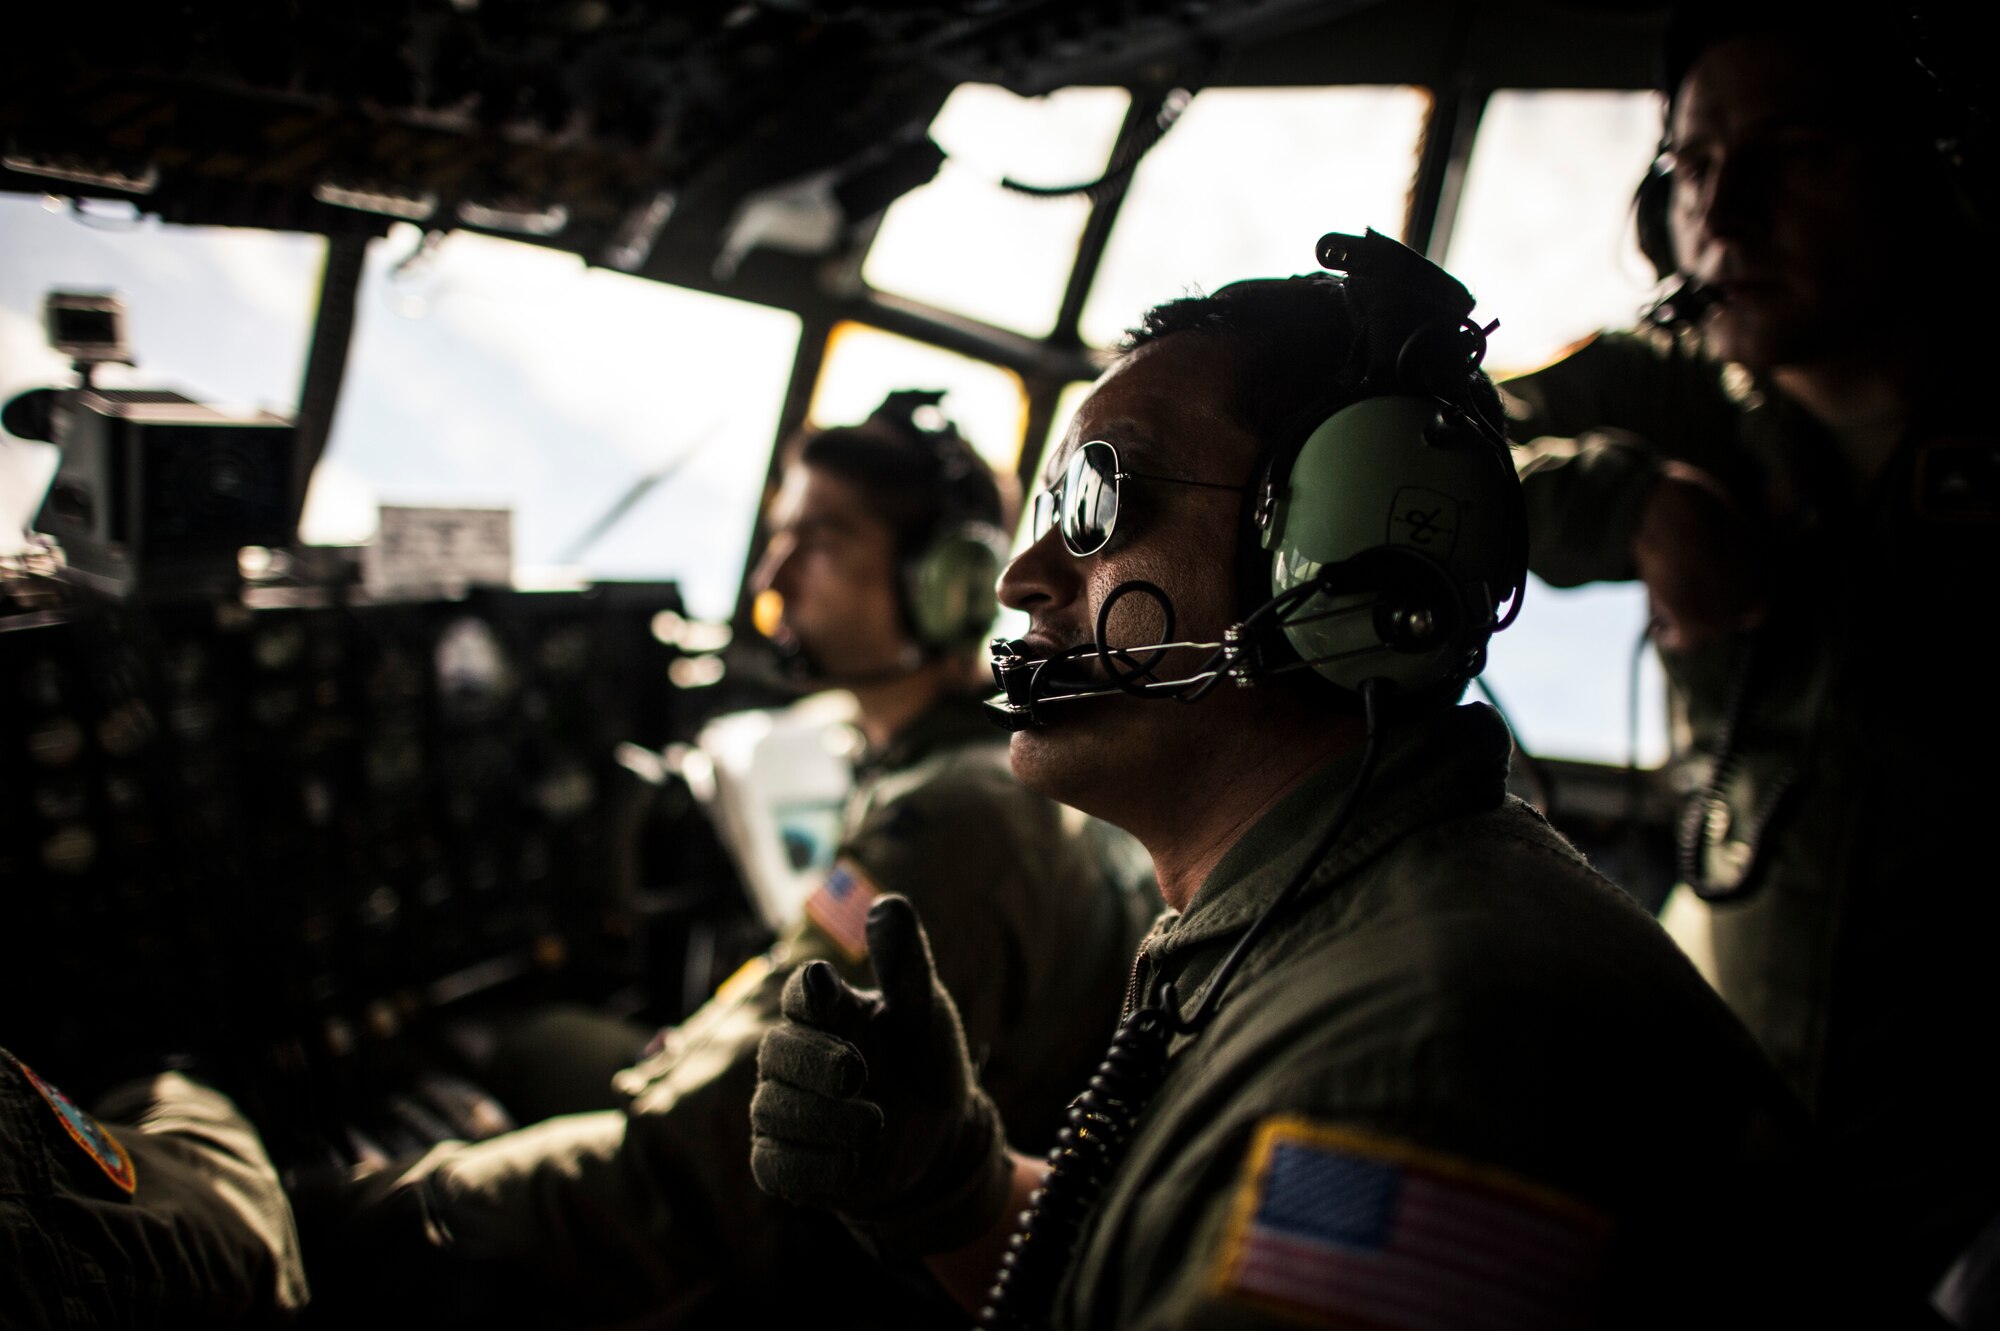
(72, 325)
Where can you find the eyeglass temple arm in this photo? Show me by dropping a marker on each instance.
(1175, 480)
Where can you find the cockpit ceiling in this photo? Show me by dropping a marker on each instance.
(628, 132)
(559, 119)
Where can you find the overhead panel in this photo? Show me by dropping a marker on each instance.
(629, 132)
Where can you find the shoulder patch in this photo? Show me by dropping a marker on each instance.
(1336, 1227)
(840, 906)
(95, 1139)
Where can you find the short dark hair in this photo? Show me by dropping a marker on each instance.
(914, 478)
(1299, 344)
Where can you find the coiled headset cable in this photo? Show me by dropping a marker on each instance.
(1706, 818)
(1103, 1120)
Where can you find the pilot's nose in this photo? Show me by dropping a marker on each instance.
(1043, 576)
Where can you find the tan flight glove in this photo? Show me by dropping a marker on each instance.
(868, 1105)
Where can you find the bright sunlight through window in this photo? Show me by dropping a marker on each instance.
(1245, 184)
(486, 372)
(965, 244)
(864, 365)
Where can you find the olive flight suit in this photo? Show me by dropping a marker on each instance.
(1835, 763)
(651, 1212)
(1461, 1082)
(171, 1217)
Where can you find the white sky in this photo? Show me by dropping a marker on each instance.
(495, 373)
(964, 244)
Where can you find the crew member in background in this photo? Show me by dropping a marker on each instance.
(885, 542)
(1397, 1056)
(172, 1216)
(1802, 467)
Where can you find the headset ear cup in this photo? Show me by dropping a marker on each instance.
(948, 588)
(1400, 519)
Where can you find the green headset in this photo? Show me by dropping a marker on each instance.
(1393, 491)
(947, 581)
(948, 586)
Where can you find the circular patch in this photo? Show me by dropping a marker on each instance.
(95, 1139)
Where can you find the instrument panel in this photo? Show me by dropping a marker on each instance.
(294, 847)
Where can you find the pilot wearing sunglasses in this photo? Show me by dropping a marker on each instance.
(1394, 1055)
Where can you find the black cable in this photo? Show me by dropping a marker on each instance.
(1133, 680)
(1633, 802)
(1103, 1119)
(1636, 876)
(1173, 103)
(1141, 678)
(1693, 832)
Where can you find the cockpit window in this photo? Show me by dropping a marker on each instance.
(626, 423)
(1544, 231)
(863, 365)
(1564, 672)
(1243, 185)
(218, 313)
(966, 244)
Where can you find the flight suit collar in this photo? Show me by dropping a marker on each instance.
(1434, 767)
(952, 721)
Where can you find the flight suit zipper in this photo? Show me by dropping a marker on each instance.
(1132, 983)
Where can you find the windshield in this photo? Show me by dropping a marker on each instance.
(625, 423)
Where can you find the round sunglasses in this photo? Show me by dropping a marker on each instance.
(1084, 502)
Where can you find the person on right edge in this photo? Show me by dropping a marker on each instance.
(1395, 1056)
(1803, 468)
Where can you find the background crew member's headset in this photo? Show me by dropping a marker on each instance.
(944, 581)
(1384, 534)
(947, 583)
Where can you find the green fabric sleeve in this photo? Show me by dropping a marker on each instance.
(1584, 498)
(1596, 428)
(204, 1239)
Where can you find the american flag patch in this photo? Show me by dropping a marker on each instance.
(840, 906)
(1343, 1228)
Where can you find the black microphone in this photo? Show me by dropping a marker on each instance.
(1025, 681)
(1030, 684)
(1685, 305)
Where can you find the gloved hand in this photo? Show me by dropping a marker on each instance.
(1702, 559)
(867, 1103)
